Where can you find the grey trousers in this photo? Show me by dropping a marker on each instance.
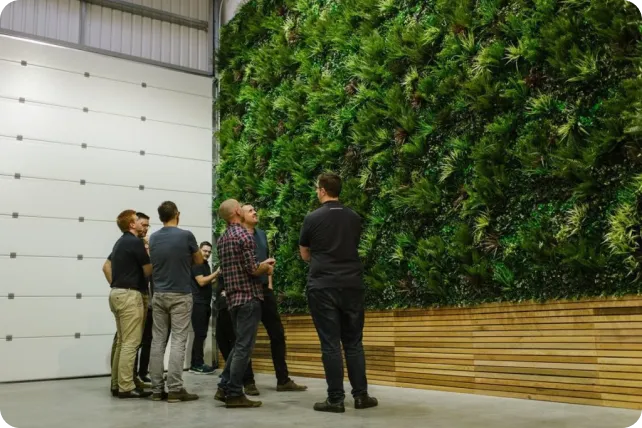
(175, 310)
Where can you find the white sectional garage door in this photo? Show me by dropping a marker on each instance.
(83, 137)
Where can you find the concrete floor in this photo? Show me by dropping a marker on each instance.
(86, 402)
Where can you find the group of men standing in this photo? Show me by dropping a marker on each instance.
(175, 271)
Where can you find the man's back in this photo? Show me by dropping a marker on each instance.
(171, 252)
(332, 233)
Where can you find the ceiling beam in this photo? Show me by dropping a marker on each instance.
(153, 13)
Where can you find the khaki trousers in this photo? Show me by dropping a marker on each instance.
(127, 307)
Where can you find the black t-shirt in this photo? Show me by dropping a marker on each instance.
(221, 301)
(201, 294)
(332, 233)
(127, 260)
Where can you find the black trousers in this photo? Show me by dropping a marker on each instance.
(142, 363)
(338, 316)
(225, 338)
(201, 314)
(272, 322)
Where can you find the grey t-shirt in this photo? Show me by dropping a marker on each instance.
(171, 252)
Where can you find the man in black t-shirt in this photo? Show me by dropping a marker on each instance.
(269, 314)
(141, 378)
(330, 242)
(129, 268)
(202, 278)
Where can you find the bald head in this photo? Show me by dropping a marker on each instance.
(230, 211)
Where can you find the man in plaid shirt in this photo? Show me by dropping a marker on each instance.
(244, 292)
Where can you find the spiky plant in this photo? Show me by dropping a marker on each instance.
(436, 114)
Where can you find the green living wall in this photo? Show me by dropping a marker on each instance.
(492, 147)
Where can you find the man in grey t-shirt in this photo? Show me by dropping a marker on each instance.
(173, 251)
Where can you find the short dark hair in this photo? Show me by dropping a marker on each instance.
(331, 183)
(205, 244)
(142, 215)
(125, 219)
(167, 211)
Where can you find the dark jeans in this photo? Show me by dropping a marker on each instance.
(338, 315)
(245, 319)
(225, 339)
(200, 323)
(272, 322)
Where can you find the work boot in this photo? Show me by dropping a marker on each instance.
(241, 402)
(327, 406)
(291, 386)
(365, 402)
(251, 389)
(160, 396)
(182, 395)
(220, 395)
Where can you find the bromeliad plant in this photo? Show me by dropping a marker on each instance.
(492, 147)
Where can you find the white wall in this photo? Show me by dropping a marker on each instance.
(47, 236)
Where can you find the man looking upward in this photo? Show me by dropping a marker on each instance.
(244, 293)
(269, 311)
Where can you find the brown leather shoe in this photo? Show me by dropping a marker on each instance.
(182, 395)
(241, 402)
(220, 395)
(290, 386)
(251, 389)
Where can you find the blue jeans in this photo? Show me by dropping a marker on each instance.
(245, 319)
(339, 315)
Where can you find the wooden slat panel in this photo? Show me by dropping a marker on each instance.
(583, 352)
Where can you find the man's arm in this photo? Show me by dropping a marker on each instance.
(203, 280)
(305, 253)
(107, 271)
(197, 256)
(304, 241)
(270, 283)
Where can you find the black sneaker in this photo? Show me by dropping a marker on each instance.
(327, 406)
(114, 392)
(204, 370)
(365, 402)
(146, 379)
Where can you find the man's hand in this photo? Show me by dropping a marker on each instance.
(270, 261)
(217, 272)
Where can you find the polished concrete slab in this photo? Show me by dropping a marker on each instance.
(87, 403)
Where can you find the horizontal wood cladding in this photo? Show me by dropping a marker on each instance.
(581, 352)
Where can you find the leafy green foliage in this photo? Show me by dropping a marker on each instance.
(492, 147)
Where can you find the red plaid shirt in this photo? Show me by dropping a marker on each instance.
(236, 253)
